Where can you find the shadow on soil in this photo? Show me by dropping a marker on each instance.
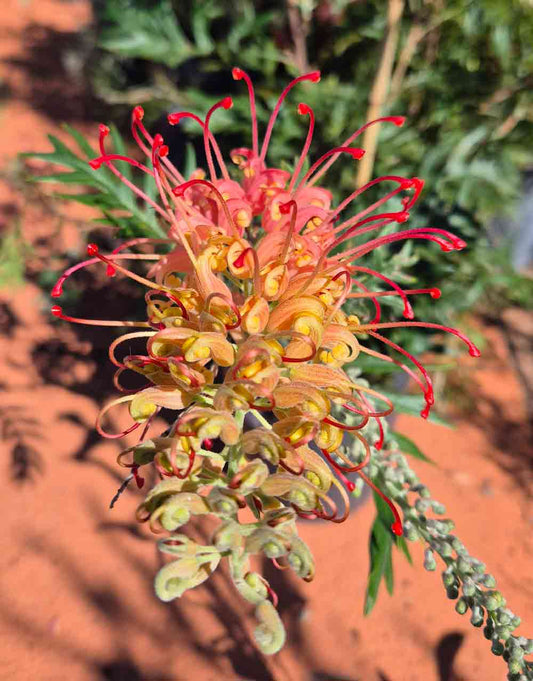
(56, 361)
(512, 438)
(56, 63)
(174, 628)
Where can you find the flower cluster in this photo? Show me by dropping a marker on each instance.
(247, 339)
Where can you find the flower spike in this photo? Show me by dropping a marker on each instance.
(256, 312)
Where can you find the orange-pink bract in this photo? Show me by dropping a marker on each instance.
(247, 340)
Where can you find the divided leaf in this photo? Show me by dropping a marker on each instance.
(106, 192)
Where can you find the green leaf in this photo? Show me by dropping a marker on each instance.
(152, 32)
(401, 544)
(380, 553)
(106, 192)
(83, 144)
(389, 574)
(407, 446)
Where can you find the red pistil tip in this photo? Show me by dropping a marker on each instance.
(56, 310)
(425, 411)
(350, 486)
(57, 290)
(239, 261)
(92, 250)
(138, 113)
(227, 103)
(473, 351)
(403, 216)
(398, 120)
(163, 150)
(408, 312)
(303, 109)
(406, 184)
(314, 76)
(435, 293)
(110, 271)
(207, 444)
(95, 163)
(357, 153)
(104, 129)
(285, 208)
(397, 528)
(237, 73)
(174, 118)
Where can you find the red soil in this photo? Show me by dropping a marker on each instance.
(76, 600)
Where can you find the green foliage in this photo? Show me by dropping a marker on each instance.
(381, 544)
(380, 561)
(108, 194)
(152, 31)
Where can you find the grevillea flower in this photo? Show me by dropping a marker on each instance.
(247, 339)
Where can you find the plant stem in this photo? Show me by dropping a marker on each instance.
(380, 90)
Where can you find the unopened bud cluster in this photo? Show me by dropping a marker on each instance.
(465, 578)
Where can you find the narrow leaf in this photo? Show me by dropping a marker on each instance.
(380, 550)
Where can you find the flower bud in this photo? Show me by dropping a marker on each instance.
(528, 646)
(477, 617)
(464, 566)
(270, 634)
(429, 560)
(301, 560)
(422, 505)
(488, 581)
(452, 592)
(488, 630)
(497, 647)
(448, 577)
(469, 588)
(461, 606)
(438, 508)
(493, 600)
(228, 536)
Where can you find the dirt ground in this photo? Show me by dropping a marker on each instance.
(76, 598)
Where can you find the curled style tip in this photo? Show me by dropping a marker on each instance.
(303, 109)
(398, 121)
